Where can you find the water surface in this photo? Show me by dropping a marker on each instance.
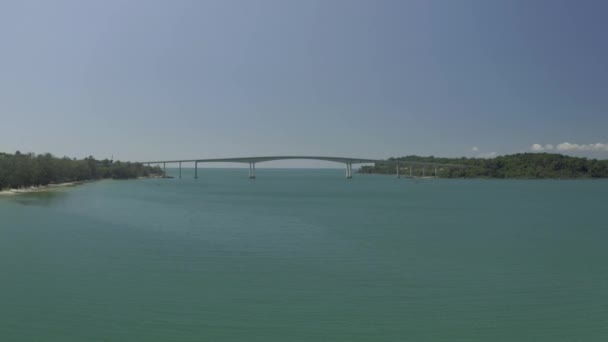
(306, 255)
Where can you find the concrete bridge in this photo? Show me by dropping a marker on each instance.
(343, 160)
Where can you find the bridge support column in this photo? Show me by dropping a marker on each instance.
(195, 169)
(252, 170)
(349, 170)
(180, 170)
(165, 168)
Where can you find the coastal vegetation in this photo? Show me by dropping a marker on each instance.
(521, 165)
(24, 170)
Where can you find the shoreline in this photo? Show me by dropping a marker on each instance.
(42, 188)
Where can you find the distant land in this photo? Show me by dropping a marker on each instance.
(29, 170)
(20, 170)
(518, 166)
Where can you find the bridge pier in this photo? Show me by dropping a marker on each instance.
(252, 170)
(349, 170)
(180, 170)
(165, 168)
(195, 169)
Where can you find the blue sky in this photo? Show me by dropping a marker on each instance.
(147, 80)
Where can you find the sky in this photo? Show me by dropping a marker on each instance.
(149, 80)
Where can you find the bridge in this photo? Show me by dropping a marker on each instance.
(343, 160)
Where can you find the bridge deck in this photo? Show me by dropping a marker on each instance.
(344, 160)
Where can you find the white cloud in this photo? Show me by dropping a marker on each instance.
(541, 148)
(569, 147)
(475, 149)
(487, 155)
(537, 148)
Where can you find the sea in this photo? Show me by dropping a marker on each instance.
(306, 255)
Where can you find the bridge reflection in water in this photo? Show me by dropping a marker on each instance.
(343, 160)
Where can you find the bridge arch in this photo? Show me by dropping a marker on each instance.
(252, 161)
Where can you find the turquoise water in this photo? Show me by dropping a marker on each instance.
(306, 255)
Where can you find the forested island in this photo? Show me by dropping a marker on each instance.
(521, 166)
(25, 170)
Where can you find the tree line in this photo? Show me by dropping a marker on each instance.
(521, 165)
(24, 170)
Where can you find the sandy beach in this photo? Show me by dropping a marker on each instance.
(31, 189)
